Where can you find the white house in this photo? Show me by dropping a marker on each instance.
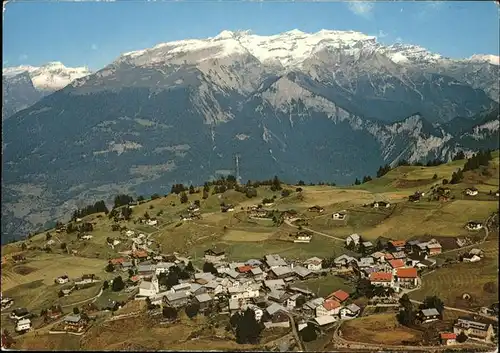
(62, 279)
(471, 191)
(152, 222)
(302, 238)
(349, 312)
(23, 325)
(353, 238)
(328, 308)
(129, 233)
(258, 311)
(87, 237)
(474, 225)
(339, 216)
(182, 287)
(474, 258)
(163, 267)
(243, 292)
(313, 263)
(116, 242)
(148, 289)
(384, 279)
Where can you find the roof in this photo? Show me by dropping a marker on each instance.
(365, 261)
(343, 258)
(274, 308)
(176, 296)
(214, 253)
(331, 304)
(413, 242)
(24, 322)
(325, 320)
(164, 264)
(396, 263)
(340, 295)
(353, 308)
(301, 271)
(367, 243)
(181, 286)
(256, 271)
(447, 336)
(253, 262)
(146, 285)
(195, 287)
(73, 318)
(145, 268)
(274, 283)
(202, 298)
(398, 242)
(377, 255)
(314, 260)
(281, 270)
(410, 272)
(430, 312)
(381, 277)
(313, 303)
(232, 273)
(244, 269)
(275, 260)
(119, 260)
(354, 237)
(388, 256)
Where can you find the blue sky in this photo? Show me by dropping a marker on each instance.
(96, 33)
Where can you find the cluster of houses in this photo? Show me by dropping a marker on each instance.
(192, 212)
(397, 265)
(264, 285)
(476, 329)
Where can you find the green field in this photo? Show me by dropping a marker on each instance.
(450, 283)
(323, 286)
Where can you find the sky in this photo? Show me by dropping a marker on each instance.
(95, 33)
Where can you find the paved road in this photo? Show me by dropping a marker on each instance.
(289, 222)
(462, 311)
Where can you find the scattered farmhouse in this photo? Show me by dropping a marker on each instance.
(428, 315)
(62, 279)
(313, 263)
(473, 225)
(23, 325)
(339, 216)
(380, 204)
(353, 239)
(214, 256)
(447, 338)
(471, 191)
(302, 237)
(474, 328)
(316, 208)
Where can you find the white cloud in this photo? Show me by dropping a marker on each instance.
(361, 8)
(23, 57)
(94, 47)
(399, 40)
(428, 8)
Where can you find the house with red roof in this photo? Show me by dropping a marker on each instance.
(244, 269)
(384, 279)
(339, 295)
(448, 338)
(329, 308)
(407, 276)
(397, 245)
(396, 263)
(117, 261)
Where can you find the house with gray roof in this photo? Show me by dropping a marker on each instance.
(253, 262)
(274, 261)
(350, 311)
(281, 272)
(302, 272)
(203, 300)
(310, 306)
(274, 283)
(343, 260)
(365, 262)
(177, 299)
(428, 315)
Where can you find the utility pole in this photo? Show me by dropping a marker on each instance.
(237, 160)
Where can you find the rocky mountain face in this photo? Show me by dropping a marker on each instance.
(329, 106)
(25, 85)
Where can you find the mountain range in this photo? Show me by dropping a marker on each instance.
(24, 85)
(327, 106)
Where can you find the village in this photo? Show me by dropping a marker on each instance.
(384, 272)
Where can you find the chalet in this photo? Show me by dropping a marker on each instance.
(278, 296)
(339, 295)
(411, 245)
(378, 257)
(473, 225)
(148, 289)
(407, 276)
(214, 256)
(226, 208)
(193, 208)
(291, 302)
(415, 197)
(126, 265)
(433, 247)
(447, 338)
(278, 315)
(302, 272)
(258, 274)
(365, 262)
(310, 306)
(67, 291)
(55, 312)
(186, 216)
(474, 328)
(349, 312)
(85, 237)
(325, 320)
(74, 323)
(204, 300)
(316, 208)
(343, 260)
(339, 216)
(145, 270)
(384, 279)
(274, 284)
(260, 213)
(23, 325)
(62, 279)
(313, 263)
(398, 255)
(329, 307)
(19, 313)
(163, 267)
(368, 246)
(302, 237)
(140, 254)
(397, 245)
(428, 315)
(380, 204)
(301, 291)
(118, 261)
(177, 299)
(181, 287)
(280, 272)
(354, 239)
(471, 191)
(396, 263)
(152, 222)
(274, 261)
(244, 269)
(290, 214)
(7, 303)
(88, 278)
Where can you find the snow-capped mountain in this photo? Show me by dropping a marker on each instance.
(324, 106)
(24, 85)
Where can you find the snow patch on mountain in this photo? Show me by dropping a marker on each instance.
(492, 59)
(481, 132)
(49, 77)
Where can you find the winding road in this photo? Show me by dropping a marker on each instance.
(289, 222)
(295, 333)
